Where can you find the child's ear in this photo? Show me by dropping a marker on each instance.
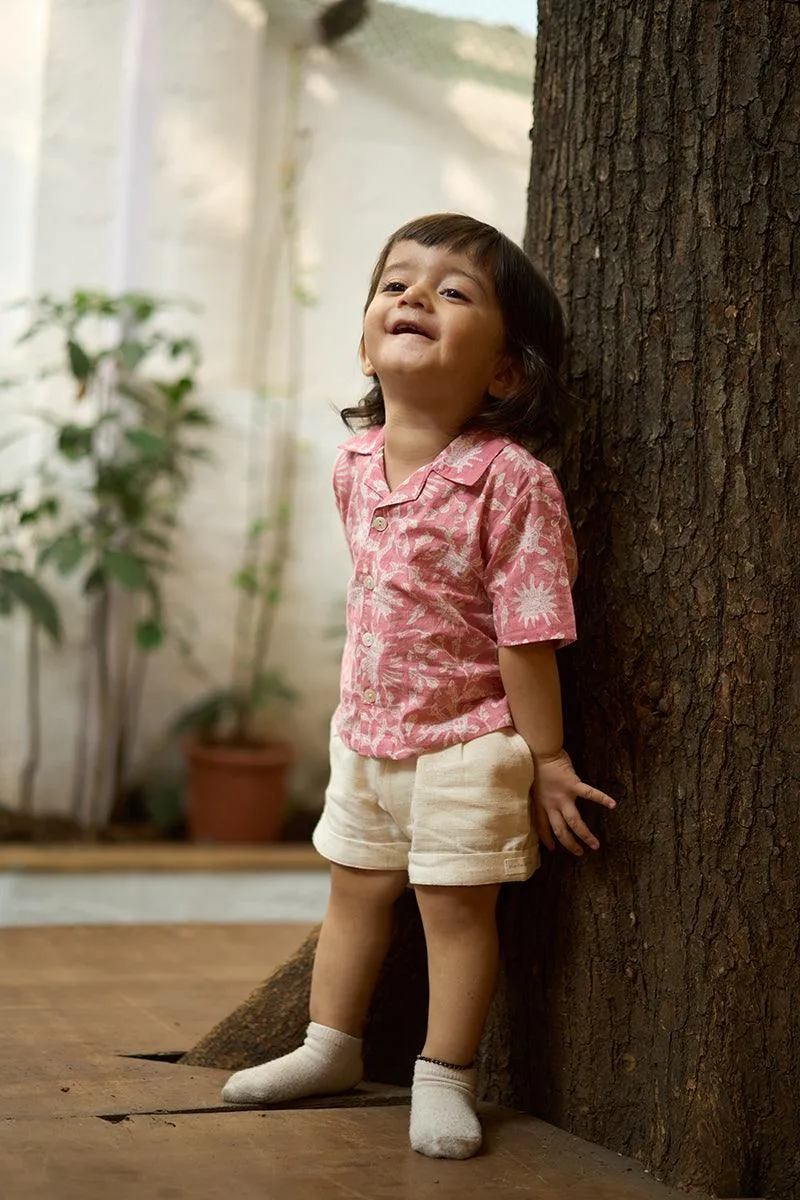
(366, 365)
(508, 378)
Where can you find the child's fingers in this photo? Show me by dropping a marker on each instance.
(578, 826)
(589, 793)
(543, 829)
(562, 832)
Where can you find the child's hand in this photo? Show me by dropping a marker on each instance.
(553, 794)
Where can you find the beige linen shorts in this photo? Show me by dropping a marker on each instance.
(456, 816)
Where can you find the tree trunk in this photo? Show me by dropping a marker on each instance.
(664, 203)
(272, 1020)
(648, 993)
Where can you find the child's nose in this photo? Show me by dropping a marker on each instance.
(416, 295)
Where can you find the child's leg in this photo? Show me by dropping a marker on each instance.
(461, 936)
(352, 945)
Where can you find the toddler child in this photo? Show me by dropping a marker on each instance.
(447, 764)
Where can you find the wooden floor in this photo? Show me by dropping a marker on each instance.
(80, 858)
(80, 1120)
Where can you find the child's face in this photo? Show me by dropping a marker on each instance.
(435, 322)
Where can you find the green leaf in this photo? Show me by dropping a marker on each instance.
(304, 296)
(162, 799)
(269, 687)
(47, 508)
(28, 592)
(247, 580)
(75, 441)
(123, 486)
(125, 569)
(149, 444)
(259, 526)
(67, 552)
(199, 417)
(95, 581)
(80, 363)
(208, 712)
(185, 345)
(176, 390)
(149, 635)
(140, 306)
(131, 354)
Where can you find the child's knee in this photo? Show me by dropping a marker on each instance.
(457, 908)
(355, 884)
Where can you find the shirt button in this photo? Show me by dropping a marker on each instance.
(380, 524)
(368, 638)
(370, 696)
(369, 582)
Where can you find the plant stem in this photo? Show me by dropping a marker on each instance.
(251, 644)
(99, 785)
(27, 782)
(275, 567)
(80, 800)
(135, 693)
(123, 635)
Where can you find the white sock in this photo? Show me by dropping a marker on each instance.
(443, 1119)
(328, 1061)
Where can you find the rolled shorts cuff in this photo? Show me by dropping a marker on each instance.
(439, 869)
(346, 852)
(435, 869)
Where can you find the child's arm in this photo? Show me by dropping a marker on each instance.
(530, 678)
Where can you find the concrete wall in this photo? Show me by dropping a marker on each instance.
(382, 142)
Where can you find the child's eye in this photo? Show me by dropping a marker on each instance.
(454, 294)
(394, 285)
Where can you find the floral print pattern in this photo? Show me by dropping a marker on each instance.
(473, 551)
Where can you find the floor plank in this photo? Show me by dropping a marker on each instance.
(74, 1001)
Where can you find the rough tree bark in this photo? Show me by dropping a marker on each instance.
(664, 203)
(648, 996)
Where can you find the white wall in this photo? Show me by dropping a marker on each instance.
(23, 54)
(384, 144)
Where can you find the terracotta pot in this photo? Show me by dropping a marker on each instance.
(236, 793)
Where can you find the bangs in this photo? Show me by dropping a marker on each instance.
(462, 235)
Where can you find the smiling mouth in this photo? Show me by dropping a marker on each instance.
(407, 327)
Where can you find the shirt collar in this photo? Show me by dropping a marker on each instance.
(464, 461)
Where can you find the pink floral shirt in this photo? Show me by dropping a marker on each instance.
(472, 552)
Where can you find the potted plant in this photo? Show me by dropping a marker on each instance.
(236, 764)
(119, 466)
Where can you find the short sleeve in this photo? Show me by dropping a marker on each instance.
(342, 490)
(532, 564)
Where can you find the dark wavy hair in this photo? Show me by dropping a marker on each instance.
(535, 414)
